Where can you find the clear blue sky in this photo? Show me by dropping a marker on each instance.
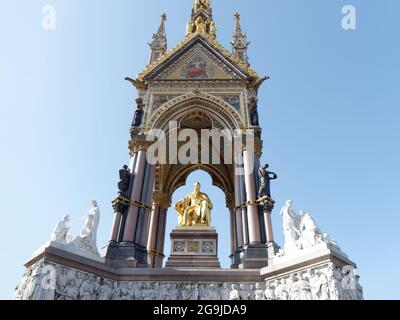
(330, 115)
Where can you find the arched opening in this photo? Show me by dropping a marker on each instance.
(220, 213)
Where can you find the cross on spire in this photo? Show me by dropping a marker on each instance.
(159, 43)
(239, 41)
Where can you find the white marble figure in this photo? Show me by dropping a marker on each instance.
(310, 234)
(211, 293)
(259, 293)
(282, 291)
(129, 292)
(61, 232)
(174, 293)
(195, 295)
(87, 240)
(244, 293)
(80, 277)
(86, 243)
(293, 287)
(71, 291)
(104, 292)
(359, 289)
(45, 283)
(324, 286)
(19, 291)
(62, 281)
(187, 293)
(164, 292)
(315, 285)
(86, 290)
(234, 294)
(305, 288)
(31, 285)
(301, 232)
(202, 292)
(148, 292)
(116, 291)
(290, 229)
(224, 292)
(334, 275)
(138, 292)
(269, 292)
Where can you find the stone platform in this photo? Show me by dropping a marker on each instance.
(318, 273)
(194, 248)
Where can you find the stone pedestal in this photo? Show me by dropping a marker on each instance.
(253, 256)
(125, 255)
(194, 248)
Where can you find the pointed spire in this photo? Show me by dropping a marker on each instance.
(202, 20)
(159, 43)
(239, 42)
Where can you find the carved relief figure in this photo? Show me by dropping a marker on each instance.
(104, 291)
(234, 294)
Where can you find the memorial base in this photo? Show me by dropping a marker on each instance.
(81, 278)
(194, 248)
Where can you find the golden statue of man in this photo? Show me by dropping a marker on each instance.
(201, 26)
(195, 209)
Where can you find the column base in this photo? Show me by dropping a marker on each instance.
(126, 255)
(273, 249)
(251, 256)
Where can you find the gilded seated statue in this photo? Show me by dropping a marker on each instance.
(195, 209)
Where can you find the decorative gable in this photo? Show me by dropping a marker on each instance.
(198, 57)
(198, 64)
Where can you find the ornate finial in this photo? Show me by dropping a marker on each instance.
(202, 5)
(159, 43)
(201, 20)
(239, 42)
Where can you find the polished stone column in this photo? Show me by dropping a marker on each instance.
(232, 219)
(116, 226)
(245, 222)
(158, 263)
(268, 226)
(152, 241)
(132, 215)
(147, 198)
(252, 209)
(238, 213)
(156, 236)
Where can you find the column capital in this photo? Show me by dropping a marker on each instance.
(267, 203)
(163, 200)
(139, 144)
(120, 204)
(258, 147)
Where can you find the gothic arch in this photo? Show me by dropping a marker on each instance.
(177, 178)
(222, 114)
